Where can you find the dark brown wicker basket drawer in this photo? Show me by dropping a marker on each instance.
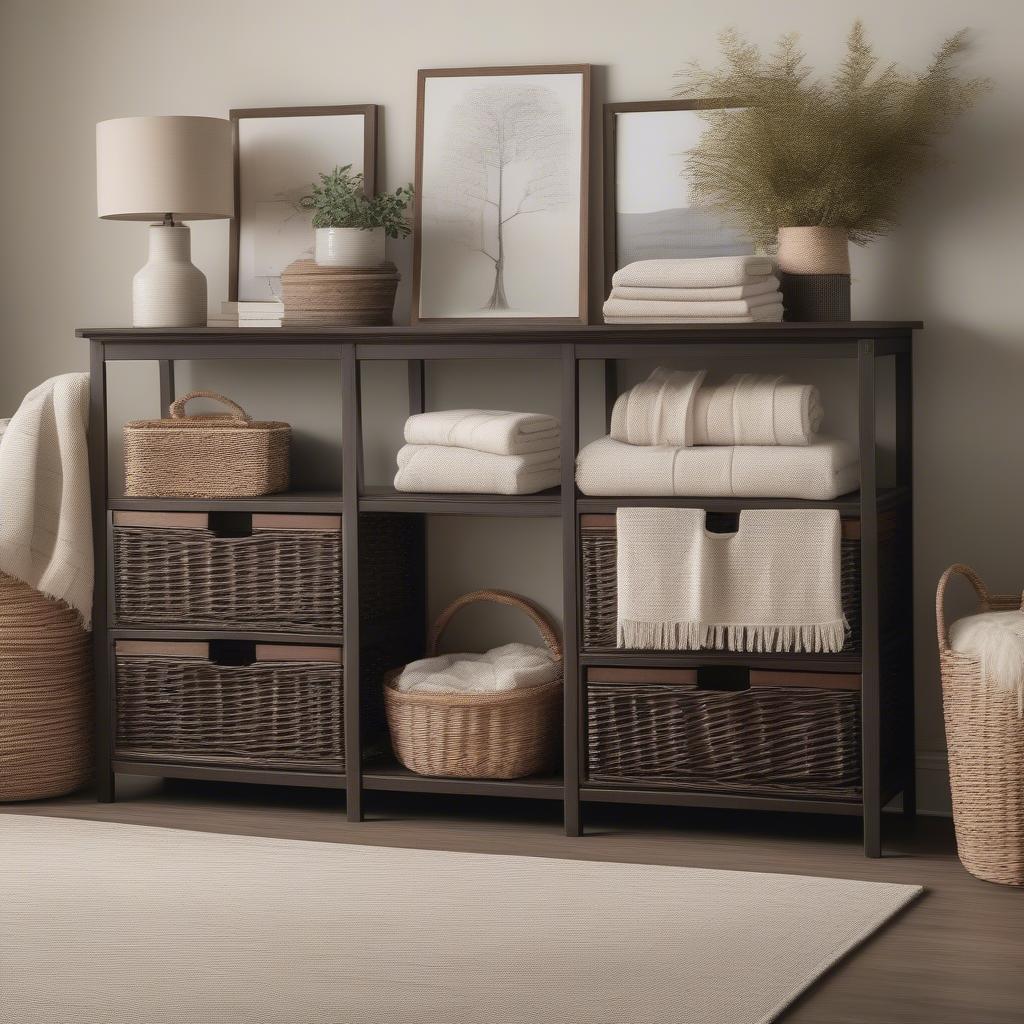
(228, 571)
(230, 703)
(598, 550)
(783, 733)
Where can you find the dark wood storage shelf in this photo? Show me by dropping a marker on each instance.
(394, 776)
(373, 642)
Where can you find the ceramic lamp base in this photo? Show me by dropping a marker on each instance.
(169, 291)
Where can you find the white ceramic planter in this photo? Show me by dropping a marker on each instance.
(349, 247)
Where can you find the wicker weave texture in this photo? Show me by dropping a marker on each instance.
(212, 456)
(316, 296)
(772, 740)
(985, 740)
(268, 714)
(600, 589)
(478, 735)
(271, 580)
(45, 696)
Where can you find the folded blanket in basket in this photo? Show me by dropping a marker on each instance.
(708, 272)
(698, 309)
(510, 667)
(658, 410)
(485, 430)
(727, 293)
(755, 409)
(819, 471)
(758, 315)
(431, 467)
(774, 585)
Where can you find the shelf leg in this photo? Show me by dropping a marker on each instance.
(166, 385)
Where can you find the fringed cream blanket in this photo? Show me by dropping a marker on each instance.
(773, 586)
(751, 408)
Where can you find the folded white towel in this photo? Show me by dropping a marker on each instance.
(709, 272)
(431, 467)
(727, 293)
(485, 430)
(675, 307)
(659, 410)
(773, 585)
(45, 510)
(510, 667)
(759, 314)
(819, 471)
(754, 409)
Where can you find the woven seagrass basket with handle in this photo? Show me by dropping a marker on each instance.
(211, 455)
(985, 739)
(478, 735)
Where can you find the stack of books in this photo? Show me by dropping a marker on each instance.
(248, 314)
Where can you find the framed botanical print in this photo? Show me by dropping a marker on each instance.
(648, 212)
(279, 153)
(502, 159)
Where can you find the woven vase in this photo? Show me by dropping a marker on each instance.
(814, 269)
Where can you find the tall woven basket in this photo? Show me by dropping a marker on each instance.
(478, 735)
(985, 737)
(45, 696)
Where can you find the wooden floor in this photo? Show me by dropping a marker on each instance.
(956, 956)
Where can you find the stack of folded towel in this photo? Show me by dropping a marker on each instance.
(479, 451)
(717, 289)
(752, 437)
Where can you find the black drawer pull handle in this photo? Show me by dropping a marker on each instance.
(732, 678)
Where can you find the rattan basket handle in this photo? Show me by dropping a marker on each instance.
(984, 598)
(540, 620)
(238, 414)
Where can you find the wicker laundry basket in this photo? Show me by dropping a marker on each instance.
(985, 737)
(478, 735)
(218, 455)
(45, 695)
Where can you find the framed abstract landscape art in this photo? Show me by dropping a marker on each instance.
(648, 213)
(501, 181)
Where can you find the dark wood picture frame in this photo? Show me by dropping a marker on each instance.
(611, 112)
(370, 119)
(584, 70)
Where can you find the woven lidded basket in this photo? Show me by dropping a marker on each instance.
(985, 738)
(316, 296)
(217, 455)
(478, 735)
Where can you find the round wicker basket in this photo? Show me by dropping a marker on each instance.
(45, 696)
(985, 738)
(478, 735)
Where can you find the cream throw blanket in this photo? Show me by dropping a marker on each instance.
(773, 586)
(727, 293)
(754, 409)
(709, 272)
(819, 471)
(698, 309)
(659, 410)
(485, 430)
(510, 667)
(430, 467)
(45, 513)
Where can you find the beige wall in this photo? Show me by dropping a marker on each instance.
(957, 263)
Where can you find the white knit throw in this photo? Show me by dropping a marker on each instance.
(485, 430)
(707, 272)
(509, 667)
(658, 410)
(756, 409)
(431, 467)
(773, 586)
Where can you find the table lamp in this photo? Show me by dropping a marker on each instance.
(166, 169)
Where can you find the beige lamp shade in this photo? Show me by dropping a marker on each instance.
(147, 167)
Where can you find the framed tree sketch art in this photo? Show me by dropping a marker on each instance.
(648, 211)
(279, 153)
(502, 160)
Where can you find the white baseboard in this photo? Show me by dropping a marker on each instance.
(932, 784)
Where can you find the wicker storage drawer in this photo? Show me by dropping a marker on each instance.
(760, 732)
(228, 571)
(230, 703)
(598, 550)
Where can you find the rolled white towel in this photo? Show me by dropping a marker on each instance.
(726, 293)
(756, 409)
(709, 272)
(433, 467)
(510, 667)
(485, 430)
(658, 410)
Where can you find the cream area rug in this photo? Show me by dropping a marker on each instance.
(121, 924)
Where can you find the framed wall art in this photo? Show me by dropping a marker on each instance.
(279, 153)
(502, 163)
(648, 213)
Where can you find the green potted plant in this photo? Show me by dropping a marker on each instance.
(809, 165)
(351, 226)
